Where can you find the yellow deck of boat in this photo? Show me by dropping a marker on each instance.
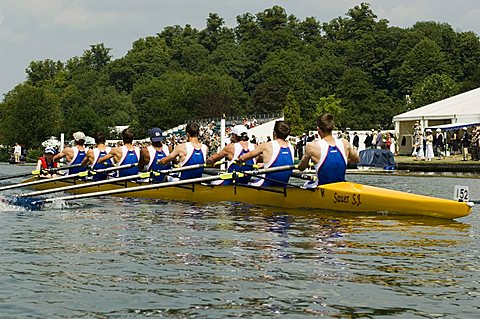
(337, 197)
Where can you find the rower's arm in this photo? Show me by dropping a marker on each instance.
(252, 154)
(88, 159)
(39, 165)
(144, 158)
(108, 156)
(224, 153)
(173, 155)
(353, 156)
(305, 161)
(60, 155)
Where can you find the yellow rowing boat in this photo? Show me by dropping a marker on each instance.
(338, 197)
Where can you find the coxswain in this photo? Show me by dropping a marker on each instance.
(239, 145)
(46, 162)
(329, 155)
(192, 152)
(74, 155)
(152, 154)
(93, 155)
(124, 155)
(277, 152)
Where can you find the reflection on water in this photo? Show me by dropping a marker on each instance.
(117, 258)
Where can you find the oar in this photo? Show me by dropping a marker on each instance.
(65, 177)
(163, 185)
(294, 174)
(40, 171)
(113, 180)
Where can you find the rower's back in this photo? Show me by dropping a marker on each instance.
(127, 154)
(277, 153)
(194, 153)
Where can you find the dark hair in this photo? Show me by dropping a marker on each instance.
(281, 129)
(127, 135)
(192, 129)
(99, 138)
(326, 123)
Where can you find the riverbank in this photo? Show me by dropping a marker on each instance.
(448, 164)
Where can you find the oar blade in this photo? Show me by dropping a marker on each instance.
(33, 204)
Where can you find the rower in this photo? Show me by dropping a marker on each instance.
(100, 150)
(123, 155)
(329, 155)
(275, 153)
(152, 154)
(46, 162)
(74, 155)
(239, 145)
(190, 153)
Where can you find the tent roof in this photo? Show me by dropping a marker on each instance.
(464, 104)
(453, 126)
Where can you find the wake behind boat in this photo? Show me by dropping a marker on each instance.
(337, 197)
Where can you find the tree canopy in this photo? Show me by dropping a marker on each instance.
(356, 66)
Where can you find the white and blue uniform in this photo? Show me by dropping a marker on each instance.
(232, 166)
(96, 155)
(129, 157)
(153, 164)
(280, 156)
(78, 157)
(194, 157)
(332, 164)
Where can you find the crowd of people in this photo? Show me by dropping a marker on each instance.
(329, 155)
(428, 145)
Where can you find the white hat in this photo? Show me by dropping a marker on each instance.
(464, 128)
(439, 130)
(428, 130)
(77, 136)
(239, 130)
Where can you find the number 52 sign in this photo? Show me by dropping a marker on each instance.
(461, 193)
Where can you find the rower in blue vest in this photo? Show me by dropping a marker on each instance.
(93, 155)
(125, 154)
(74, 155)
(329, 155)
(151, 155)
(190, 153)
(239, 145)
(277, 152)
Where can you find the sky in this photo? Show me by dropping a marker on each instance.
(32, 30)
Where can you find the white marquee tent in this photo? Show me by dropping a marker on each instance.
(461, 110)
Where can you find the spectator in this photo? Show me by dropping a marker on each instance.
(465, 141)
(429, 153)
(356, 141)
(439, 143)
(17, 152)
(368, 140)
(419, 153)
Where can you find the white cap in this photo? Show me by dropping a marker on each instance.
(465, 128)
(77, 136)
(428, 130)
(439, 130)
(239, 130)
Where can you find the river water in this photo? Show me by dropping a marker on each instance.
(124, 258)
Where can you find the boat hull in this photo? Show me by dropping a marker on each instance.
(337, 197)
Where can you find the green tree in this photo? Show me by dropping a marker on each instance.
(97, 56)
(330, 104)
(29, 115)
(38, 72)
(434, 88)
(292, 116)
(423, 60)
